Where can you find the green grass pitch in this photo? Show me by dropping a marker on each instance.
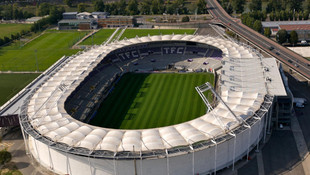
(8, 29)
(99, 37)
(142, 100)
(131, 33)
(11, 84)
(47, 48)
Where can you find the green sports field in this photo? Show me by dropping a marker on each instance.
(46, 49)
(99, 37)
(8, 29)
(142, 100)
(11, 84)
(131, 33)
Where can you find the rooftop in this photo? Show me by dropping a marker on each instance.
(70, 13)
(277, 23)
(295, 27)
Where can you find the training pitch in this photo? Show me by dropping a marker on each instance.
(142, 100)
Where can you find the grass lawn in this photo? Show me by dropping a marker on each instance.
(11, 84)
(47, 48)
(142, 101)
(8, 29)
(99, 37)
(131, 33)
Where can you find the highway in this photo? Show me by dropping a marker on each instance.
(290, 58)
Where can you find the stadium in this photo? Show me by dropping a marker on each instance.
(236, 116)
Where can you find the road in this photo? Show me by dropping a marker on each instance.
(290, 58)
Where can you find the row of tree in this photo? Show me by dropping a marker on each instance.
(295, 5)
(9, 12)
(233, 5)
(285, 15)
(283, 37)
(282, 15)
(147, 7)
(238, 6)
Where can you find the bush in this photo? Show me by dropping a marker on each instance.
(185, 19)
(5, 157)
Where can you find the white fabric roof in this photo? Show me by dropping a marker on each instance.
(243, 89)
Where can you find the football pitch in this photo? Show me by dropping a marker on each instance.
(40, 53)
(142, 100)
(99, 37)
(12, 84)
(8, 29)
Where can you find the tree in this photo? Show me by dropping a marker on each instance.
(44, 9)
(296, 16)
(229, 9)
(293, 37)
(154, 7)
(145, 7)
(81, 7)
(99, 6)
(267, 32)
(250, 21)
(238, 5)
(295, 4)
(132, 7)
(281, 36)
(113, 9)
(201, 7)
(272, 16)
(55, 14)
(121, 7)
(255, 5)
(5, 156)
(258, 26)
(308, 5)
(264, 15)
(68, 2)
(185, 19)
(290, 15)
(278, 16)
(306, 15)
(300, 15)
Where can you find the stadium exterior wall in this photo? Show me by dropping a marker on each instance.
(203, 161)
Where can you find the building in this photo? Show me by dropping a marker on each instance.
(85, 20)
(117, 21)
(69, 15)
(82, 24)
(301, 27)
(100, 15)
(84, 15)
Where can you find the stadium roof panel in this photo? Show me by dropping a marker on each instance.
(54, 122)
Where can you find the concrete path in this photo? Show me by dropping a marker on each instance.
(24, 163)
(111, 37)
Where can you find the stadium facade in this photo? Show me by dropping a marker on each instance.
(229, 130)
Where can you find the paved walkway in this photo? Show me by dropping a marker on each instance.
(14, 142)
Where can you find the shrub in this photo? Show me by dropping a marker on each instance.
(5, 156)
(185, 19)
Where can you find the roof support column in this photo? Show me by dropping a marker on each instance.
(215, 155)
(168, 168)
(249, 139)
(234, 151)
(114, 161)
